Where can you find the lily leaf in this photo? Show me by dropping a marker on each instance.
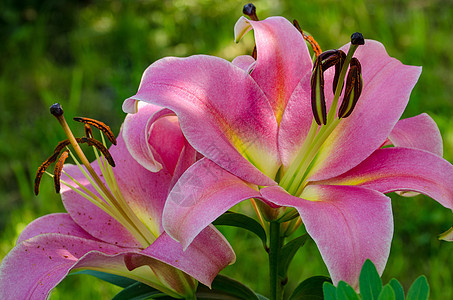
(140, 291)
(397, 288)
(387, 293)
(311, 288)
(419, 290)
(110, 278)
(329, 291)
(287, 253)
(369, 281)
(346, 292)
(242, 221)
(228, 288)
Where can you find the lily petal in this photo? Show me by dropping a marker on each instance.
(54, 223)
(419, 132)
(402, 169)
(387, 85)
(206, 256)
(203, 193)
(245, 62)
(222, 111)
(144, 191)
(136, 134)
(349, 225)
(282, 59)
(46, 260)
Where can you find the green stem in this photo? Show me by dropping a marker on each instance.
(274, 252)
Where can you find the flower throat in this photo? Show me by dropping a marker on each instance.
(294, 178)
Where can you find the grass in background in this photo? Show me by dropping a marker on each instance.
(90, 55)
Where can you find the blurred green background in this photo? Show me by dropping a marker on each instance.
(90, 55)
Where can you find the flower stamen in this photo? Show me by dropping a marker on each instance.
(99, 125)
(313, 43)
(111, 199)
(58, 169)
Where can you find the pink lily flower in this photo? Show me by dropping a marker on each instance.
(89, 238)
(253, 122)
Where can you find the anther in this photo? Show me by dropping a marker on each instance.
(42, 168)
(88, 131)
(56, 110)
(250, 10)
(99, 125)
(58, 169)
(313, 43)
(357, 39)
(353, 89)
(318, 103)
(99, 146)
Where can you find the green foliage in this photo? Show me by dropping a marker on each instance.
(110, 278)
(371, 287)
(242, 221)
(287, 254)
(310, 288)
(370, 281)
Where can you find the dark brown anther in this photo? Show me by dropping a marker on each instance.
(100, 147)
(42, 168)
(56, 110)
(314, 45)
(318, 102)
(58, 169)
(88, 131)
(353, 89)
(250, 10)
(99, 125)
(333, 58)
(338, 67)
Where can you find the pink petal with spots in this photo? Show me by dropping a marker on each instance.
(349, 225)
(419, 132)
(203, 193)
(222, 111)
(282, 59)
(402, 169)
(143, 190)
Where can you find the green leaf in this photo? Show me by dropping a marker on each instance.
(369, 281)
(397, 288)
(310, 289)
(140, 291)
(329, 291)
(242, 221)
(226, 287)
(287, 254)
(346, 292)
(110, 278)
(387, 293)
(419, 290)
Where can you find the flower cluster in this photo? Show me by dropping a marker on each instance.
(316, 142)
